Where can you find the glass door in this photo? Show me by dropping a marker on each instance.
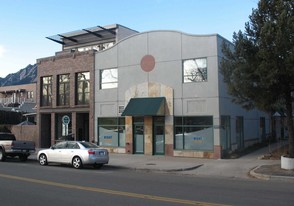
(158, 136)
(139, 139)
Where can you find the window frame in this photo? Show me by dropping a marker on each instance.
(183, 126)
(83, 96)
(117, 124)
(111, 82)
(197, 74)
(63, 99)
(46, 100)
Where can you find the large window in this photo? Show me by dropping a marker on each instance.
(112, 132)
(63, 90)
(108, 78)
(195, 70)
(194, 133)
(83, 88)
(46, 91)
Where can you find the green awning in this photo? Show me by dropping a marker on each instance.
(150, 106)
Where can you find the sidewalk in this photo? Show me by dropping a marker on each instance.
(248, 166)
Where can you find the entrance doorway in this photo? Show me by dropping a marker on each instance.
(138, 136)
(45, 130)
(82, 127)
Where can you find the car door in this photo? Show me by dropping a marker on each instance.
(72, 149)
(57, 152)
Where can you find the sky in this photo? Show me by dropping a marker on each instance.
(25, 24)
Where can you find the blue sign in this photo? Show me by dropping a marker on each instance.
(65, 120)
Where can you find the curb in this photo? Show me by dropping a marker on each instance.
(259, 175)
(158, 170)
(269, 177)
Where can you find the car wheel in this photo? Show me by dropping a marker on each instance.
(2, 155)
(77, 162)
(43, 159)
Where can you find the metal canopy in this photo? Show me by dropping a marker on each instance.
(85, 36)
(95, 34)
(69, 38)
(152, 106)
(55, 40)
(108, 30)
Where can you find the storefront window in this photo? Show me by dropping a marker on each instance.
(112, 132)
(64, 127)
(194, 133)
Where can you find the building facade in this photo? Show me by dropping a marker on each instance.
(152, 93)
(66, 84)
(161, 93)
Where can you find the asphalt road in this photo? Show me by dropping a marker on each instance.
(28, 183)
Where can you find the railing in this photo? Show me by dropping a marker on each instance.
(10, 100)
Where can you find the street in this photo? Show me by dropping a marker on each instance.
(28, 183)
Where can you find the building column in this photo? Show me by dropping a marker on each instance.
(169, 135)
(53, 128)
(74, 125)
(129, 135)
(148, 136)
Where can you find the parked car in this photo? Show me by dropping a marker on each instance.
(10, 147)
(76, 153)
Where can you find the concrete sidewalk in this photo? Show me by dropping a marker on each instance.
(244, 167)
(230, 168)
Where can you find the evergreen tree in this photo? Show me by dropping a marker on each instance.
(259, 66)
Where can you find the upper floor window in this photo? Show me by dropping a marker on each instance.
(195, 70)
(30, 94)
(83, 88)
(63, 90)
(46, 91)
(108, 78)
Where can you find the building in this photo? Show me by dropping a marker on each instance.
(19, 98)
(153, 93)
(161, 93)
(66, 83)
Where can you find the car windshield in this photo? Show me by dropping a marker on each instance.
(88, 145)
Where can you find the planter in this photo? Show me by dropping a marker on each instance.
(287, 163)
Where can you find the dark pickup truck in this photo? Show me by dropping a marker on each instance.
(10, 147)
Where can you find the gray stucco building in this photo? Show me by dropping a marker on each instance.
(161, 92)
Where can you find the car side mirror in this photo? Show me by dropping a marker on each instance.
(52, 147)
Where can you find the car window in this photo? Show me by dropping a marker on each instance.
(89, 145)
(60, 145)
(4, 136)
(72, 145)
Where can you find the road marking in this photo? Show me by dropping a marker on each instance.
(113, 192)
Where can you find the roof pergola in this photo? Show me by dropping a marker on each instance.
(85, 36)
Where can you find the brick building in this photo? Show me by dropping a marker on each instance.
(66, 84)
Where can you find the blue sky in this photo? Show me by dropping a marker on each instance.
(24, 24)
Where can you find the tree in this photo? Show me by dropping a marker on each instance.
(259, 66)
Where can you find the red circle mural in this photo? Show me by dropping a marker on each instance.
(148, 63)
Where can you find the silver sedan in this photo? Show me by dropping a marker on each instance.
(76, 153)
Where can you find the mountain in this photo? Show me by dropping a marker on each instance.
(26, 75)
